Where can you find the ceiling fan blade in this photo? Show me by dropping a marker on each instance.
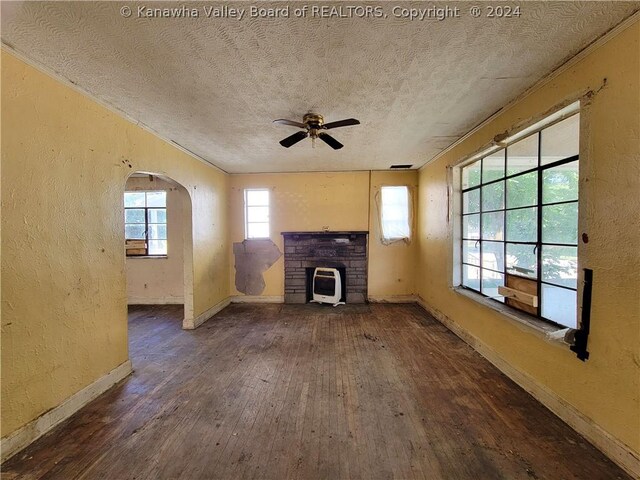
(329, 140)
(291, 123)
(293, 139)
(342, 123)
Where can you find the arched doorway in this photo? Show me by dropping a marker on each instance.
(158, 242)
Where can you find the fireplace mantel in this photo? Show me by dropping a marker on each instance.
(327, 233)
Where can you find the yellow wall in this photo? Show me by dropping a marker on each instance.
(391, 267)
(300, 202)
(340, 201)
(65, 160)
(606, 388)
(160, 280)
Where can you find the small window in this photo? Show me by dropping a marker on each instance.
(145, 223)
(395, 214)
(519, 223)
(256, 213)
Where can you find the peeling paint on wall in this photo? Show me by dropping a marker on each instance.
(253, 257)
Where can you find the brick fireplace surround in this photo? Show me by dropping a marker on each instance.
(341, 250)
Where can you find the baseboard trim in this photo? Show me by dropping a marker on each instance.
(155, 301)
(27, 434)
(613, 448)
(189, 324)
(393, 298)
(257, 299)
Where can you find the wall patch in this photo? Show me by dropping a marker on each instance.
(253, 257)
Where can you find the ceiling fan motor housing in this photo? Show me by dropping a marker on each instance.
(314, 123)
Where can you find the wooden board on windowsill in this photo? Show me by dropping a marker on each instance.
(528, 287)
(135, 247)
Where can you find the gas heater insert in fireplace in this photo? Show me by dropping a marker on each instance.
(327, 286)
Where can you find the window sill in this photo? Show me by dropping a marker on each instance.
(394, 241)
(540, 328)
(147, 257)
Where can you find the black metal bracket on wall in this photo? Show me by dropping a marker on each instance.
(582, 335)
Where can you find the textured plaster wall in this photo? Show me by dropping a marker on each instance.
(391, 267)
(606, 388)
(159, 280)
(300, 202)
(65, 161)
(340, 201)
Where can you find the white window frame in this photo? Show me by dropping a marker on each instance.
(148, 224)
(384, 237)
(247, 207)
(455, 215)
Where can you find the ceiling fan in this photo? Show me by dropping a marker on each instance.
(314, 127)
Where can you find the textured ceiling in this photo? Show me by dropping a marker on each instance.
(213, 85)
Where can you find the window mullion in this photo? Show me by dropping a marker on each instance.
(146, 229)
(504, 224)
(539, 229)
(146, 225)
(480, 239)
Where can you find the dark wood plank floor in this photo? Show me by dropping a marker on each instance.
(309, 392)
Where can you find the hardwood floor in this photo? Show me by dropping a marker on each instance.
(309, 392)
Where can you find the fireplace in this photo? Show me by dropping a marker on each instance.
(345, 251)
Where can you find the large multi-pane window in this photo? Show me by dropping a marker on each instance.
(145, 223)
(394, 213)
(256, 213)
(520, 222)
